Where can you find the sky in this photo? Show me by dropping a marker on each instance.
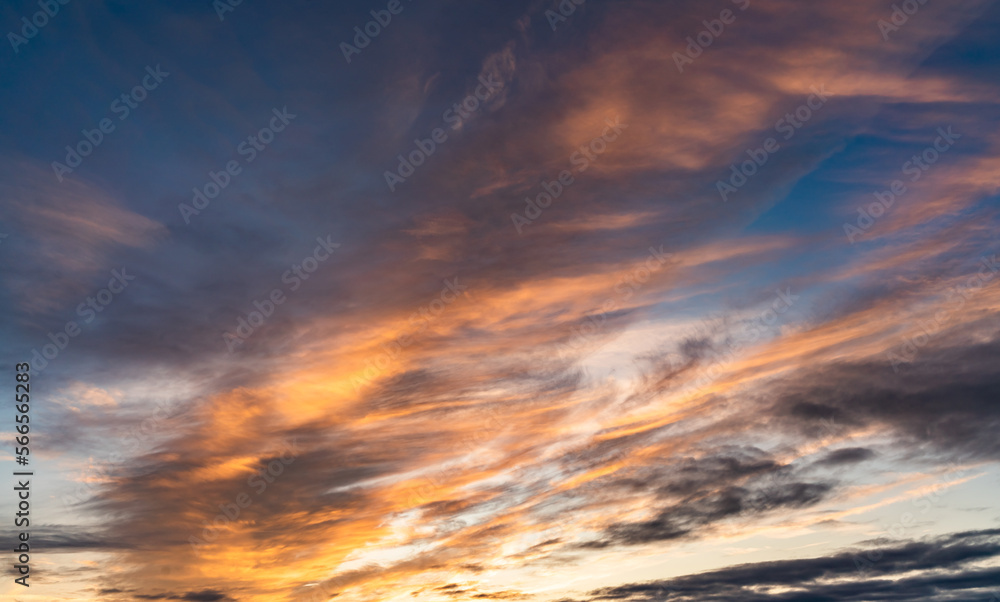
(578, 301)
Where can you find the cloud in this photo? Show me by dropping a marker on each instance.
(946, 399)
(849, 455)
(900, 573)
(700, 493)
(66, 235)
(207, 595)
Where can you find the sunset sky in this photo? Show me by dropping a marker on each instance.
(578, 301)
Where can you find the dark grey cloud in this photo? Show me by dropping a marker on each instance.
(67, 538)
(946, 570)
(694, 513)
(456, 591)
(947, 398)
(726, 483)
(849, 455)
(206, 595)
